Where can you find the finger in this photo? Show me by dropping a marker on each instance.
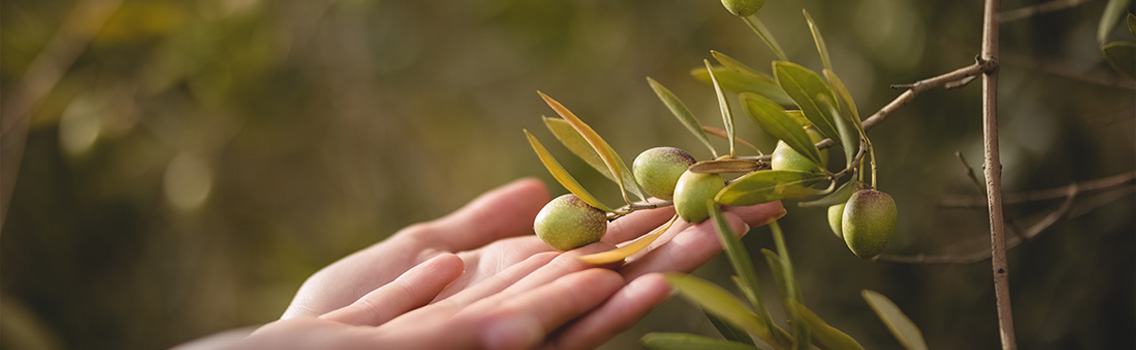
(636, 224)
(688, 249)
(503, 212)
(563, 264)
(524, 321)
(491, 259)
(758, 215)
(411, 290)
(497, 282)
(616, 315)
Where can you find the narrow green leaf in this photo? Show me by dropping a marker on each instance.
(773, 119)
(770, 185)
(722, 134)
(683, 341)
(839, 196)
(742, 68)
(1131, 19)
(738, 83)
(684, 115)
(763, 32)
(799, 117)
(1112, 14)
(724, 166)
(727, 115)
(610, 158)
(804, 86)
(821, 47)
(618, 254)
(901, 326)
(843, 94)
(739, 258)
(777, 268)
(790, 291)
(562, 175)
(828, 337)
(849, 135)
(581, 148)
(728, 330)
(1122, 56)
(719, 302)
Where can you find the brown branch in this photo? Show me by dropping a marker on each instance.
(914, 89)
(45, 71)
(1101, 184)
(1034, 10)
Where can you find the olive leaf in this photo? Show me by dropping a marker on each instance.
(1111, 15)
(738, 83)
(562, 175)
(821, 47)
(790, 291)
(721, 166)
(728, 330)
(580, 147)
(741, 262)
(799, 117)
(1122, 56)
(722, 134)
(719, 302)
(683, 341)
(844, 96)
(684, 115)
(618, 254)
(849, 134)
(839, 196)
(610, 158)
(904, 330)
(1131, 19)
(770, 185)
(773, 119)
(828, 337)
(727, 115)
(804, 86)
(742, 68)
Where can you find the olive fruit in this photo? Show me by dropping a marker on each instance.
(836, 218)
(743, 8)
(787, 158)
(657, 170)
(692, 192)
(568, 222)
(868, 222)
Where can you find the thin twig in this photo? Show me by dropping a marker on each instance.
(993, 170)
(48, 68)
(630, 208)
(1034, 10)
(917, 88)
(1106, 183)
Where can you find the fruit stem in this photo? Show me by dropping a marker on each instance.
(872, 153)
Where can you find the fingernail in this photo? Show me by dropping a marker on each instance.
(511, 333)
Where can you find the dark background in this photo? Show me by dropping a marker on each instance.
(200, 159)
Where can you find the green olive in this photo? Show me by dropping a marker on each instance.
(692, 192)
(568, 222)
(835, 218)
(743, 8)
(657, 170)
(787, 158)
(869, 222)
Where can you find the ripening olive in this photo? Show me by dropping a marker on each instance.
(743, 8)
(787, 158)
(657, 170)
(568, 222)
(692, 192)
(835, 219)
(868, 222)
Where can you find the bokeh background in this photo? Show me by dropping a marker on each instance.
(199, 159)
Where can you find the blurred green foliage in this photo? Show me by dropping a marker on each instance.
(201, 158)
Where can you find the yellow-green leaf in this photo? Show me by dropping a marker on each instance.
(727, 115)
(722, 134)
(618, 254)
(1112, 14)
(738, 83)
(683, 341)
(1122, 56)
(718, 301)
(729, 331)
(839, 196)
(684, 115)
(724, 166)
(598, 144)
(770, 185)
(821, 47)
(904, 330)
(799, 117)
(580, 147)
(742, 68)
(562, 175)
(773, 119)
(804, 86)
(849, 134)
(828, 337)
(843, 94)
(743, 266)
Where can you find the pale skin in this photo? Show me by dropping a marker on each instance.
(480, 278)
